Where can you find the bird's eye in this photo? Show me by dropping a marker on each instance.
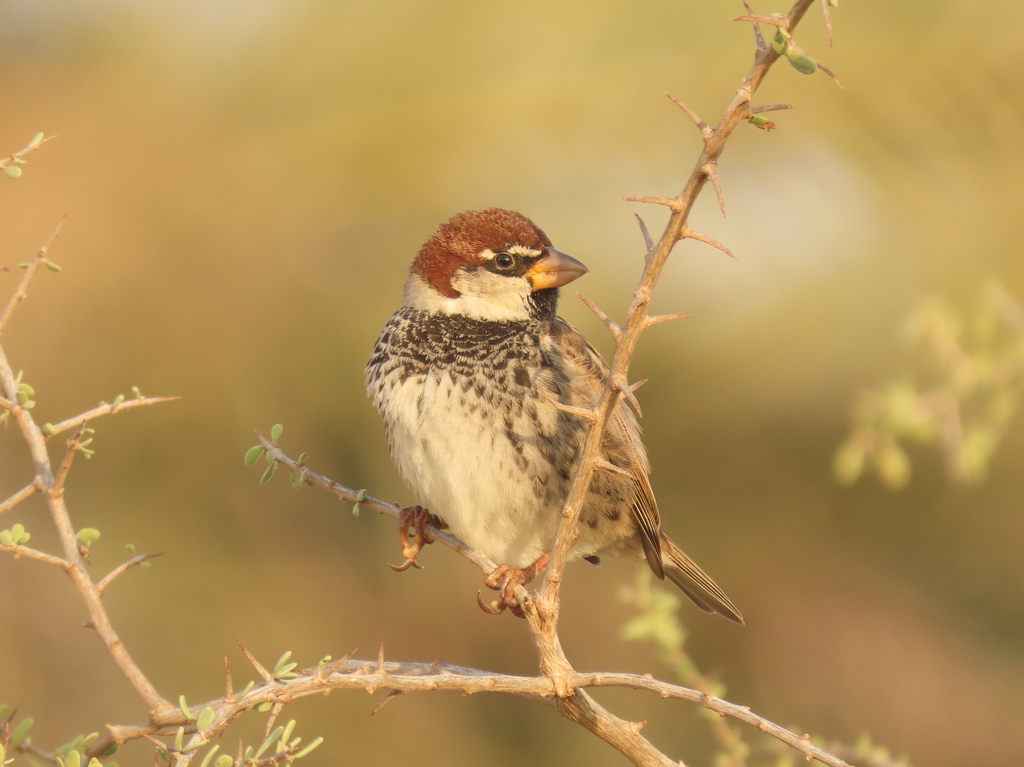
(504, 261)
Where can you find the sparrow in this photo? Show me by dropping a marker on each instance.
(468, 377)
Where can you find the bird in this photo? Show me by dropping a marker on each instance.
(475, 378)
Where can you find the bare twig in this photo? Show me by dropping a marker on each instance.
(21, 495)
(41, 556)
(104, 409)
(405, 677)
(124, 567)
(30, 270)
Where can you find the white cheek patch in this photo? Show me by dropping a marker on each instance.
(483, 296)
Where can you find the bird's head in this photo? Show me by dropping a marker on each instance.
(491, 264)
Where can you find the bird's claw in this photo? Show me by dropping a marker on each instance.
(507, 579)
(418, 518)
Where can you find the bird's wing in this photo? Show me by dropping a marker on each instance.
(622, 444)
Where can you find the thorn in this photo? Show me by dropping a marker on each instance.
(390, 695)
(601, 463)
(267, 676)
(336, 665)
(647, 235)
(756, 109)
(660, 318)
(828, 21)
(670, 202)
(582, 412)
(781, 22)
(701, 125)
(758, 37)
(692, 235)
(613, 326)
(828, 72)
(229, 694)
(627, 391)
(380, 660)
(711, 170)
(638, 384)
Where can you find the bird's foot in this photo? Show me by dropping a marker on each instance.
(506, 579)
(415, 517)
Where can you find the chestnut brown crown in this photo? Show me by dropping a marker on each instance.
(466, 236)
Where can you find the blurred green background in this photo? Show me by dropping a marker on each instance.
(246, 185)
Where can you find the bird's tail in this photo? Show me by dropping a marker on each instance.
(693, 582)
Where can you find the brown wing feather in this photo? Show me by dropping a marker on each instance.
(622, 444)
(623, 447)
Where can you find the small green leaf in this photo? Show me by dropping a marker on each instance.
(304, 752)
(130, 548)
(224, 760)
(17, 530)
(287, 731)
(74, 759)
(268, 474)
(117, 400)
(205, 718)
(30, 404)
(253, 454)
(361, 496)
(296, 481)
(52, 266)
(184, 709)
(245, 690)
(303, 457)
(275, 433)
(94, 762)
(179, 736)
(88, 536)
(110, 751)
(281, 661)
(264, 706)
(6, 538)
(779, 44)
(267, 743)
(12, 171)
(27, 389)
(36, 139)
(209, 756)
(802, 63)
(19, 733)
(22, 396)
(24, 538)
(47, 429)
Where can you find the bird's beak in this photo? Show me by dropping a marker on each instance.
(554, 270)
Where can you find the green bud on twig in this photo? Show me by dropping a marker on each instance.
(52, 266)
(117, 400)
(779, 44)
(47, 429)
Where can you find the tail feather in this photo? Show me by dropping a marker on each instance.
(693, 582)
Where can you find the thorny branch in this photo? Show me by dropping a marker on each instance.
(51, 486)
(544, 609)
(578, 707)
